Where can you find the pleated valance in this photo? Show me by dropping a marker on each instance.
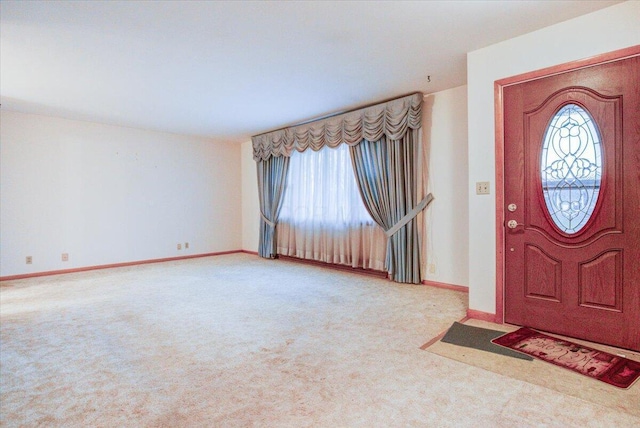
(392, 119)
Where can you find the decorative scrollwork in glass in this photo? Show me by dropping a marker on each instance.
(571, 167)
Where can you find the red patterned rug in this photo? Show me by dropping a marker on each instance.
(608, 368)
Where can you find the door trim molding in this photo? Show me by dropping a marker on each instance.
(498, 87)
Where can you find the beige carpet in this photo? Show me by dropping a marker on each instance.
(234, 341)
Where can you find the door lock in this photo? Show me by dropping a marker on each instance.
(512, 224)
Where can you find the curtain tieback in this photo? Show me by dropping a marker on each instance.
(409, 216)
(266, 220)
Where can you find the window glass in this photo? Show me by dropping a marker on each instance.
(321, 188)
(571, 167)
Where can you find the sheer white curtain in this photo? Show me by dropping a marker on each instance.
(323, 217)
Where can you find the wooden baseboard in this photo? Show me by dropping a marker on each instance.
(483, 316)
(445, 285)
(343, 268)
(253, 253)
(113, 265)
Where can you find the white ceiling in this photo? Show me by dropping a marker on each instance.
(227, 70)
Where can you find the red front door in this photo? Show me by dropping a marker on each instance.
(572, 203)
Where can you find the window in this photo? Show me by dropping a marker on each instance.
(321, 189)
(323, 217)
(571, 167)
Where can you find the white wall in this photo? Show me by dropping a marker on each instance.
(445, 135)
(106, 194)
(603, 31)
(250, 202)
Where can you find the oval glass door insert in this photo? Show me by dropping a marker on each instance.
(571, 167)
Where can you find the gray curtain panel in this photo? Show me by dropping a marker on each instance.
(386, 174)
(272, 176)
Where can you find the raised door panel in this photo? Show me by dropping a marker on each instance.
(600, 281)
(543, 275)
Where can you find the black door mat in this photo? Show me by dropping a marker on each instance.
(479, 338)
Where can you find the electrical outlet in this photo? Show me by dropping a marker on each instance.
(186, 245)
(29, 260)
(432, 268)
(482, 188)
(179, 246)
(65, 257)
